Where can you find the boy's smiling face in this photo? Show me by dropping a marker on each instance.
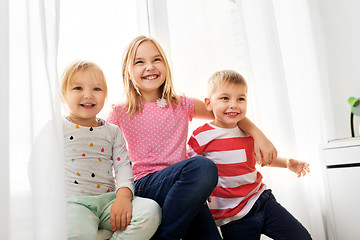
(228, 102)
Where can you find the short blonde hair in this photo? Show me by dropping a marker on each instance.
(72, 71)
(133, 96)
(224, 77)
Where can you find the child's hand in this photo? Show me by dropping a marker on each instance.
(120, 214)
(298, 167)
(265, 152)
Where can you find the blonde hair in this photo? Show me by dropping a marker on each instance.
(224, 77)
(72, 71)
(133, 96)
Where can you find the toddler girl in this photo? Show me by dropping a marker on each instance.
(95, 151)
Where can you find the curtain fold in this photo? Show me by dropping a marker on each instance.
(4, 119)
(37, 201)
(288, 94)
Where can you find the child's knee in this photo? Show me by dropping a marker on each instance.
(148, 210)
(206, 170)
(153, 211)
(82, 234)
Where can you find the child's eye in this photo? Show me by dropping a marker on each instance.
(138, 62)
(77, 88)
(241, 99)
(157, 60)
(224, 98)
(97, 89)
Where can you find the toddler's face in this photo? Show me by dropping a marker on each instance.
(228, 103)
(85, 99)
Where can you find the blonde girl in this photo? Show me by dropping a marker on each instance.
(94, 149)
(155, 121)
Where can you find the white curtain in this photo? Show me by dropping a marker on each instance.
(271, 42)
(289, 99)
(4, 119)
(37, 202)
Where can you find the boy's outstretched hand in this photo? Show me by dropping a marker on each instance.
(298, 167)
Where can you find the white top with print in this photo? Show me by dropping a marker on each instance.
(93, 156)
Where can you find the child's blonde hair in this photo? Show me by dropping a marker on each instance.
(72, 71)
(224, 77)
(133, 95)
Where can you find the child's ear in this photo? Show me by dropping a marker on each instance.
(207, 104)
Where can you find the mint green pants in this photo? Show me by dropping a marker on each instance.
(87, 214)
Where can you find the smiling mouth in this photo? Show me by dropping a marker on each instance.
(87, 105)
(232, 114)
(150, 77)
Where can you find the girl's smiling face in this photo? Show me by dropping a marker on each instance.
(149, 71)
(85, 98)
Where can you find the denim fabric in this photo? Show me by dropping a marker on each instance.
(267, 217)
(181, 190)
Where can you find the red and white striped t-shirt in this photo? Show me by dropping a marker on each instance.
(240, 184)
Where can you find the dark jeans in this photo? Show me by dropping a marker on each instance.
(267, 217)
(182, 190)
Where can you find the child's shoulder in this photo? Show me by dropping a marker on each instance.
(202, 129)
(118, 107)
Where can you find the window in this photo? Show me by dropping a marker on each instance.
(97, 31)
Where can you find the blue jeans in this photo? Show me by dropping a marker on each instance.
(267, 217)
(181, 190)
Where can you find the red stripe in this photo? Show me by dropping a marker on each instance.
(229, 144)
(195, 146)
(229, 212)
(235, 169)
(241, 191)
(203, 128)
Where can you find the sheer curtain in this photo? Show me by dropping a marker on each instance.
(289, 98)
(272, 44)
(37, 200)
(4, 120)
(35, 208)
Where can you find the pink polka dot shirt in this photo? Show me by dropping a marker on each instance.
(157, 136)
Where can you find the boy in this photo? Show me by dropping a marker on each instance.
(240, 203)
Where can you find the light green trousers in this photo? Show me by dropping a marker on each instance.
(87, 214)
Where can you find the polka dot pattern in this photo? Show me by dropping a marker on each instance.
(157, 136)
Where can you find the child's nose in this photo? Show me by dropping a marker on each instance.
(233, 104)
(149, 67)
(88, 95)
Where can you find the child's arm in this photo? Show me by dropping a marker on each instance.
(265, 152)
(296, 166)
(121, 209)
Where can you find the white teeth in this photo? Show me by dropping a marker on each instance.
(150, 77)
(231, 113)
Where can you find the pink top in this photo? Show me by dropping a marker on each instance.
(157, 136)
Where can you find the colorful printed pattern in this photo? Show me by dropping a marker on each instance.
(92, 156)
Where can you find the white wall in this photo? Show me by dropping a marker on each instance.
(336, 24)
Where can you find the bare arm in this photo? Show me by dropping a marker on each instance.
(296, 166)
(200, 110)
(265, 152)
